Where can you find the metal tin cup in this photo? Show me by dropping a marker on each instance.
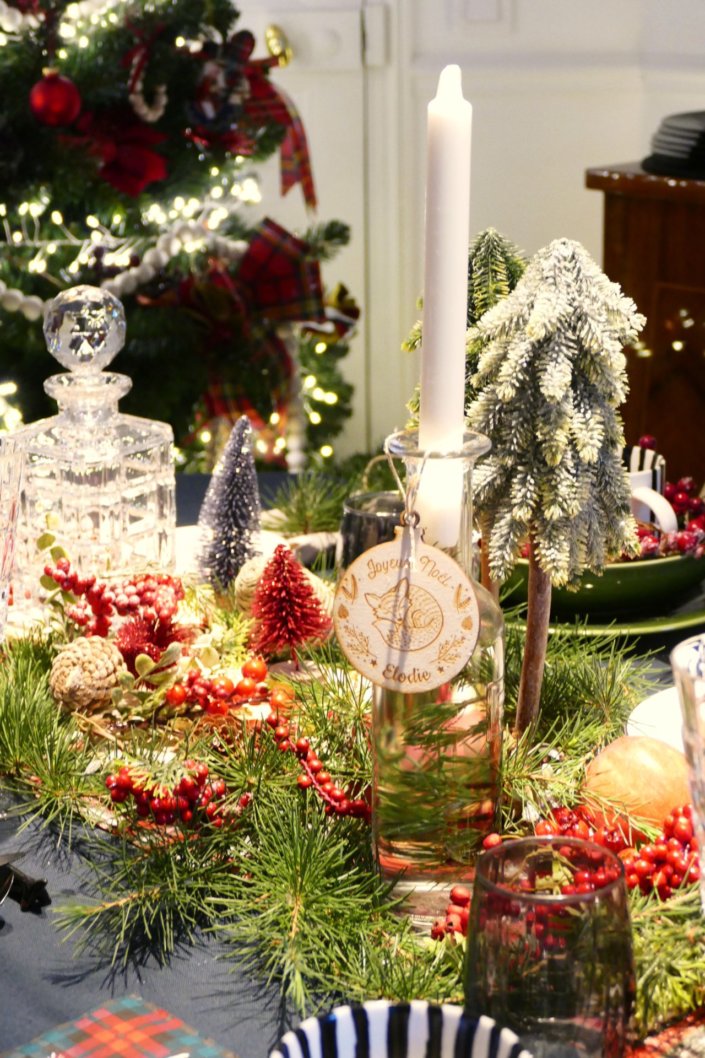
(369, 518)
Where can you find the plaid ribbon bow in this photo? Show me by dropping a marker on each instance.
(282, 282)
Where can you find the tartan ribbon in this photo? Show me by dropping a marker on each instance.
(282, 282)
(238, 86)
(222, 401)
(122, 1028)
(267, 102)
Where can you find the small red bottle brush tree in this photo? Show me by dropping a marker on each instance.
(286, 609)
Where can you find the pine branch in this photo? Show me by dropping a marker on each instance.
(311, 503)
(42, 754)
(296, 908)
(669, 951)
(325, 240)
(152, 897)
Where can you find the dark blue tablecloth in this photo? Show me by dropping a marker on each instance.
(44, 982)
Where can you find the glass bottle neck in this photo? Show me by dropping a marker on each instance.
(88, 400)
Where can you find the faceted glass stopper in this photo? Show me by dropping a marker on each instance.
(84, 328)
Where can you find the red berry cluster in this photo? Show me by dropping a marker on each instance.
(151, 597)
(217, 695)
(196, 798)
(576, 823)
(456, 916)
(689, 539)
(683, 497)
(670, 861)
(661, 867)
(314, 775)
(541, 919)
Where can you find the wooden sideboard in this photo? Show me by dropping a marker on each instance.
(654, 247)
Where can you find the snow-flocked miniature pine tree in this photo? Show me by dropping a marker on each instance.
(230, 514)
(286, 609)
(550, 379)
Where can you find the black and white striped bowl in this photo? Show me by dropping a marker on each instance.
(382, 1029)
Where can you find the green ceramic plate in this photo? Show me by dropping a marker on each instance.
(635, 593)
(691, 619)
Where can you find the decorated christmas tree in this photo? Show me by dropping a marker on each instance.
(129, 142)
(286, 609)
(550, 380)
(230, 513)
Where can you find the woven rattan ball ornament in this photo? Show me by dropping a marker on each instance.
(85, 673)
(249, 577)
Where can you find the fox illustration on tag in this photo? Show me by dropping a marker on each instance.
(406, 616)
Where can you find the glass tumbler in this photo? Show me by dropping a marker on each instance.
(10, 481)
(688, 664)
(550, 947)
(369, 518)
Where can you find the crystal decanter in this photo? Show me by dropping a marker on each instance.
(102, 482)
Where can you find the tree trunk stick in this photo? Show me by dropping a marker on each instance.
(485, 577)
(537, 621)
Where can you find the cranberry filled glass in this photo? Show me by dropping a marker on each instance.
(550, 947)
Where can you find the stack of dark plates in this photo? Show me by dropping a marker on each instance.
(678, 147)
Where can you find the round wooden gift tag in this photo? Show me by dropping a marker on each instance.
(406, 615)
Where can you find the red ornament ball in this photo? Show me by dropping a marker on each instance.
(55, 100)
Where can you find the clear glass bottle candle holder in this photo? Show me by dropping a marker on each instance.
(436, 754)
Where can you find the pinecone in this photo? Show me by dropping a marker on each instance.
(85, 672)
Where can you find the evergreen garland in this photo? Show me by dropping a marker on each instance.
(306, 910)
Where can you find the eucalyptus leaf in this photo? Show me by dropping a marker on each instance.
(144, 665)
(209, 657)
(171, 655)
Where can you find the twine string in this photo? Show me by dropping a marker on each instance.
(410, 516)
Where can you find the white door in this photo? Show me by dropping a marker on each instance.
(557, 86)
(326, 79)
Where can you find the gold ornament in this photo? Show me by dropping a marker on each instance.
(85, 672)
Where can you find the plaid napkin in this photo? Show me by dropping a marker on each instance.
(121, 1028)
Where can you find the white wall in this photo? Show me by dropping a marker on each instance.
(557, 86)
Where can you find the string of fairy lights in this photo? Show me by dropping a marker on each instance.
(84, 13)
